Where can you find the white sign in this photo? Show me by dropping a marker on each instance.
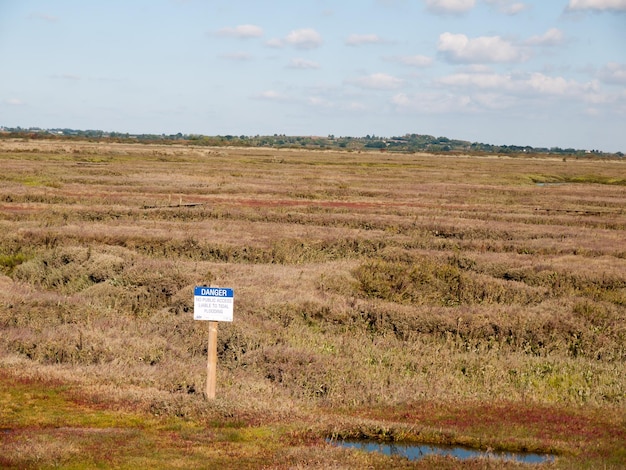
(213, 303)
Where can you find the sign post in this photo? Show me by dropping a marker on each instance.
(211, 366)
(213, 304)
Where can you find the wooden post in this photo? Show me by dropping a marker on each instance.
(211, 367)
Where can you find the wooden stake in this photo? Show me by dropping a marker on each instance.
(211, 367)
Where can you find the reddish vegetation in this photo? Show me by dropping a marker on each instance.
(307, 203)
(19, 209)
(447, 300)
(578, 426)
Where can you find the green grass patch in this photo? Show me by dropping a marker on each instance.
(49, 424)
(40, 181)
(581, 179)
(8, 262)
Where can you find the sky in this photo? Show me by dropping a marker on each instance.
(545, 73)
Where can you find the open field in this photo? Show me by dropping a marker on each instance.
(441, 299)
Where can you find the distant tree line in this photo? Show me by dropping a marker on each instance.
(406, 143)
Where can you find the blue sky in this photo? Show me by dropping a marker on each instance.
(526, 72)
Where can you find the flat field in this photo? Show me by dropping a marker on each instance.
(477, 301)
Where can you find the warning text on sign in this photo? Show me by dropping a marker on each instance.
(213, 303)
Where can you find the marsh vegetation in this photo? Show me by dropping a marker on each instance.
(443, 299)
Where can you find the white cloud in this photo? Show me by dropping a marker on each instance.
(476, 68)
(66, 76)
(239, 56)
(412, 60)
(275, 43)
(476, 80)
(547, 85)
(271, 95)
(320, 102)
(391, 3)
(299, 63)
(401, 99)
(360, 39)
(242, 31)
(515, 8)
(354, 106)
(494, 100)
(378, 81)
(517, 93)
(454, 7)
(304, 38)
(43, 16)
(508, 7)
(432, 103)
(520, 84)
(459, 48)
(14, 102)
(614, 73)
(598, 5)
(552, 37)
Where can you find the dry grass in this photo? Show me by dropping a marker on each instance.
(362, 281)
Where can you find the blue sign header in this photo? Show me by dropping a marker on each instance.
(213, 292)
